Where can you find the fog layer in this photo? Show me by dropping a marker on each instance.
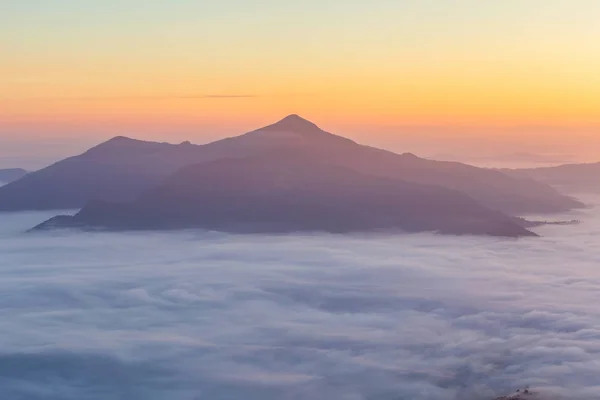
(195, 315)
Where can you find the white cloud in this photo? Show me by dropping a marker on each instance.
(211, 316)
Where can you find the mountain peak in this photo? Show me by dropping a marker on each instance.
(295, 118)
(123, 144)
(294, 126)
(410, 155)
(121, 139)
(294, 123)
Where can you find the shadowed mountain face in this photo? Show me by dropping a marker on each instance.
(570, 177)
(291, 191)
(494, 189)
(121, 169)
(11, 174)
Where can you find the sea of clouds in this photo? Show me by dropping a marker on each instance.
(194, 315)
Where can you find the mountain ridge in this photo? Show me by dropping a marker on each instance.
(8, 175)
(122, 168)
(292, 192)
(575, 177)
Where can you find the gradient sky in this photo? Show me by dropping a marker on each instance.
(378, 70)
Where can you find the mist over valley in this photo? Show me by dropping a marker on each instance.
(199, 314)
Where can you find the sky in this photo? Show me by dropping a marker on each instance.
(388, 72)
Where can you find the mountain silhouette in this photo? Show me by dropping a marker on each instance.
(121, 169)
(570, 177)
(292, 191)
(11, 174)
(295, 123)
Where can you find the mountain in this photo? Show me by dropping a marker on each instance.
(568, 177)
(121, 169)
(11, 174)
(291, 191)
(513, 195)
(510, 160)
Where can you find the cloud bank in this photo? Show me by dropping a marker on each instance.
(197, 315)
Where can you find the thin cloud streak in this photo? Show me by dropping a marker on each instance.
(162, 97)
(149, 97)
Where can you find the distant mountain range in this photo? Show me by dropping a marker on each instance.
(507, 158)
(568, 177)
(121, 169)
(11, 174)
(303, 178)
